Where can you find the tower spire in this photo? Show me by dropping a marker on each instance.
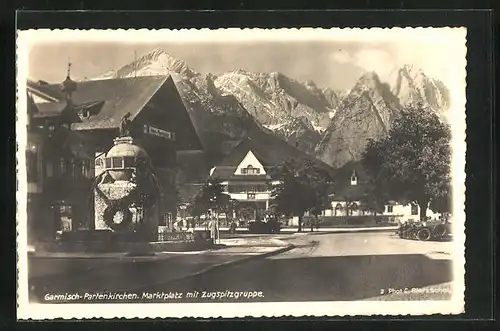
(69, 86)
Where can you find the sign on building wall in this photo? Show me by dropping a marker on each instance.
(159, 132)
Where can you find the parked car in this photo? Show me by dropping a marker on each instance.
(271, 226)
(425, 231)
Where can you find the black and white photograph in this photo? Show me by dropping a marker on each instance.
(240, 172)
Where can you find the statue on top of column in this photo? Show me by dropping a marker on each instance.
(125, 125)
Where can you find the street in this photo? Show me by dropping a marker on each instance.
(330, 267)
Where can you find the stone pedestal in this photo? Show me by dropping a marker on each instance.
(112, 191)
(149, 217)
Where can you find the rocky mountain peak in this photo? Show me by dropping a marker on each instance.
(156, 62)
(334, 124)
(411, 85)
(369, 80)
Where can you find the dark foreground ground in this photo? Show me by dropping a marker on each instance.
(331, 267)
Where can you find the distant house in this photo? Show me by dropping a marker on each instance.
(159, 122)
(247, 171)
(352, 186)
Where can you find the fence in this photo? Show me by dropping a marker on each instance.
(175, 236)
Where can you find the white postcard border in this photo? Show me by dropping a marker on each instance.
(455, 36)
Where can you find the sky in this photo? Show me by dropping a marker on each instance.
(330, 61)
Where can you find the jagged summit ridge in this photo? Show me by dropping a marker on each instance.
(369, 109)
(365, 113)
(411, 85)
(333, 124)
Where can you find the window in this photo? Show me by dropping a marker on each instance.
(163, 221)
(98, 163)
(117, 162)
(73, 165)
(128, 161)
(49, 169)
(262, 188)
(87, 171)
(107, 162)
(66, 213)
(354, 180)
(389, 209)
(84, 167)
(338, 208)
(233, 189)
(62, 166)
(32, 165)
(414, 209)
(250, 170)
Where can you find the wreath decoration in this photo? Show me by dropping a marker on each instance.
(140, 195)
(112, 209)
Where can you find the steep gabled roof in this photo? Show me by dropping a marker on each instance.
(343, 190)
(49, 92)
(119, 96)
(269, 150)
(241, 150)
(49, 109)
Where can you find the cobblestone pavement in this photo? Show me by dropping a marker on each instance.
(323, 267)
(332, 267)
(64, 273)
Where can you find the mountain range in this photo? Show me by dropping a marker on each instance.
(332, 125)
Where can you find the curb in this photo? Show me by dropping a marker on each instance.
(351, 231)
(122, 256)
(217, 266)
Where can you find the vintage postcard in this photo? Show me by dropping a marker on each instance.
(240, 172)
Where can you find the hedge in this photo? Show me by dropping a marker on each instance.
(354, 220)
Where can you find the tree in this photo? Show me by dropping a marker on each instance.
(303, 187)
(211, 197)
(442, 203)
(374, 200)
(412, 163)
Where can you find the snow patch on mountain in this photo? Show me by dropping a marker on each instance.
(156, 62)
(334, 124)
(274, 127)
(411, 85)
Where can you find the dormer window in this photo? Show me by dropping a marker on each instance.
(250, 170)
(354, 178)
